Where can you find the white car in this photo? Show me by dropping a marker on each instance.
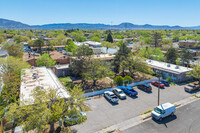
(163, 111)
(119, 93)
(111, 96)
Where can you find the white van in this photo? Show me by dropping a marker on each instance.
(163, 111)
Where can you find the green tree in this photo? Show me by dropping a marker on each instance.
(195, 72)
(46, 108)
(95, 70)
(1, 39)
(171, 55)
(45, 60)
(122, 54)
(39, 43)
(109, 38)
(156, 37)
(118, 80)
(70, 46)
(185, 57)
(81, 54)
(13, 49)
(96, 39)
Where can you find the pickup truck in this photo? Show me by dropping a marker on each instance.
(191, 87)
(129, 91)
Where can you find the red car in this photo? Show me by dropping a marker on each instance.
(156, 83)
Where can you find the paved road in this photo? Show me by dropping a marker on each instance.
(186, 120)
(105, 114)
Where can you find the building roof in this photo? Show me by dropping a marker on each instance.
(56, 55)
(168, 67)
(46, 80)
(65, 66)
(53, 54)
(92, 43)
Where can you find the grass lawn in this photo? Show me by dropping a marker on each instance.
(66, 81)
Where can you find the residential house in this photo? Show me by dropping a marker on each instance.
(59, 57)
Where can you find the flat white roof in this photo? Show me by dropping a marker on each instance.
(46, 79)
(168, 67)
(165, 106)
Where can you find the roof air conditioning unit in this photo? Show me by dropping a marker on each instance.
(168, 65)
(177, 67)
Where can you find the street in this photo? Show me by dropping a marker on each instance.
(105, 114)
(185, 120)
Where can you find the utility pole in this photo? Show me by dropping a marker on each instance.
(159, 88)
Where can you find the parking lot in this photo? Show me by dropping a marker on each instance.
(105, 114)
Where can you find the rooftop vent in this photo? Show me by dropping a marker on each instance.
(177, 67)
(168, 65)
(35, 76)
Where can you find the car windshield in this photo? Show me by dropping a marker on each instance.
(132, 90)
(191, 86)
(157, 110)
(113, 96)
(120, 92)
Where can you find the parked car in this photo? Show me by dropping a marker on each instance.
(130, 91)
(163, 111)
(145, 87)
(191, 87)
(111, 96)
(75, 118)
(118, 92)
(156, 83)
(165, 82)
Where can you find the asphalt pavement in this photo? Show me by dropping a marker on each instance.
(185, 120)
(105, 114)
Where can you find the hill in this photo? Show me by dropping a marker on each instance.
(10, 24)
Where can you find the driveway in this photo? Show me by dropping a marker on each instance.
(105, 114)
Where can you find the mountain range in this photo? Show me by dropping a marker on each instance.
(10, 24)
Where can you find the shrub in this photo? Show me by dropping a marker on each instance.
(169, 79)
(128, 79)
(118, 80)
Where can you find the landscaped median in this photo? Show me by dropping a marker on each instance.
(145, 116)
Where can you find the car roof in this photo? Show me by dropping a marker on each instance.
(127, 87)
(109, 92)
(165, 106)
(117, 89)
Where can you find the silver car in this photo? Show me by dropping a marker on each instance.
(119, 93)
(111, 96)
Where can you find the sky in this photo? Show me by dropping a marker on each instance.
(155, 12)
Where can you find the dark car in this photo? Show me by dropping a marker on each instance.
(165, 82)
(156, 83)
(145, 87)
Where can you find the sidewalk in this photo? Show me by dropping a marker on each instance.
(144, 117)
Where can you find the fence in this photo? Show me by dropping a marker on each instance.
(96, 93)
